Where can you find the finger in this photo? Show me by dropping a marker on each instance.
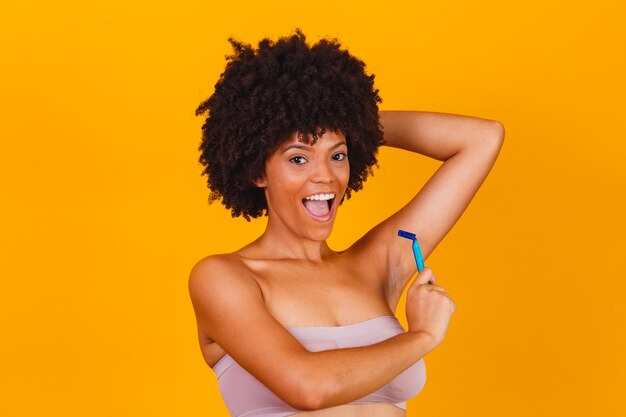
(424, 276)
(450, 298)
(436, 288)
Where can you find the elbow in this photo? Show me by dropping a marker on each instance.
(308, 391)
(498, 129)
(311, 398)
(487, 140)
(493, 138)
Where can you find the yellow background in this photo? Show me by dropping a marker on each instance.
(104, 210)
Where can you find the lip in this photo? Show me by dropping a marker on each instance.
(322, 219)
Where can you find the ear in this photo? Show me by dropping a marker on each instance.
(261, 182)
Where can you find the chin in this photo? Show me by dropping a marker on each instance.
(314, 231)
(321, 237)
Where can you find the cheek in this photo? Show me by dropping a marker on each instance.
(282, 190)
(345, 176)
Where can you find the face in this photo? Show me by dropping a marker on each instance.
(305, 183)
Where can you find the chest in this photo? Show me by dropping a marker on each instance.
(333, 295)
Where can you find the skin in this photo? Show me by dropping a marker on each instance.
(290, 277)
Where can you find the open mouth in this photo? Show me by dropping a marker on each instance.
(319, 209)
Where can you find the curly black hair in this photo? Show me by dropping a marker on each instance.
(266, 95)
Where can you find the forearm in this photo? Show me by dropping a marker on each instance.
(340, 376)
(437, 135)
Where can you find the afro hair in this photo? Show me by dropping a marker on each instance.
(266, 95)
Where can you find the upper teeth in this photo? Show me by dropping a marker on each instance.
(320, 196)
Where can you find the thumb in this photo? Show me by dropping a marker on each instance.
(424, 276)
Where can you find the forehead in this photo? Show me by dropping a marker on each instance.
(329, 139)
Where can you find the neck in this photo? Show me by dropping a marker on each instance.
(279, 242)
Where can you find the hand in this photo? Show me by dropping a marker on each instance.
(428, 307)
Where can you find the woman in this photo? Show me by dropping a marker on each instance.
(289, 325)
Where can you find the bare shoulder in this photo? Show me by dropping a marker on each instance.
(217, 285)
(212, 267)
(223, 271)
(218, 268)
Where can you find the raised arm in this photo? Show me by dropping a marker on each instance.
(469, 147)
(229, 308)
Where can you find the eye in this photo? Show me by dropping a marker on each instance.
(298, 160)
(340, 156)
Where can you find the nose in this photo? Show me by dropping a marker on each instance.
(323, 174)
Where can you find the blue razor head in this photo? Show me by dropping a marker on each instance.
(407, 235)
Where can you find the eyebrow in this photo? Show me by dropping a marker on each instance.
(307, 148)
